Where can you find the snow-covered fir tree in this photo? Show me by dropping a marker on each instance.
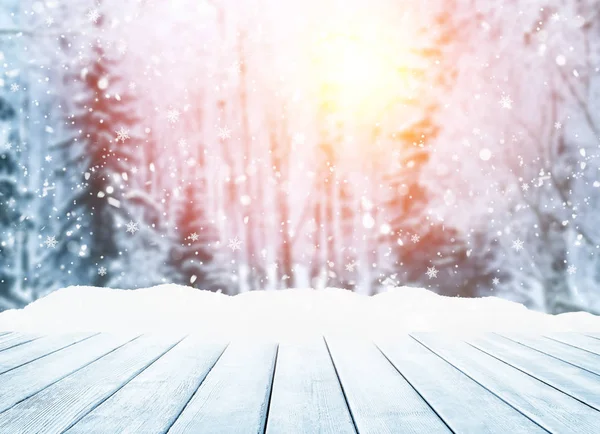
(195, 258)
(102, 153)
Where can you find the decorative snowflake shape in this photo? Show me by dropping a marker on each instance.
(506, 102)
(524, 187)
(122, 135)
(518, 245)
(102, 271)
(182, 143)
(194, 236)
(224, 133)
(557, 125)
(51, 242)
(173, 115)
(350, 266)
(415, 238)
(93, 15)
(132, 227)
(49, 21)
(495, 281)
(235, 244)
(14, 87)
(571, 269)
(432, 272)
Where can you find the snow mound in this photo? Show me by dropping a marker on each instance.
(280, 314)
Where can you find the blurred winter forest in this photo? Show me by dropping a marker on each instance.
(263, 144)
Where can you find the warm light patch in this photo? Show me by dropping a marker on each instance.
(357, 72)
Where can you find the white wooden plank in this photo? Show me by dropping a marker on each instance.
(575, 356)
(234, 396)
(27, 352)
(22, 382)
(152, 401)
(307, 396)
(380, 399)
(463, 404)
(13, 339)
(548, 407)
(578, 340)
(574, 381)
(57, 407)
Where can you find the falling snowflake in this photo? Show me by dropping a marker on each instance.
(93, 15)
(51, 242)
(122, 47)
(390, 281)
(132, 86)
(102, 271)
(524, 187)
(235, 68)
(299, 139)
(557, 125)
(7, 146)
(49, 21)
(506, 102)
(431, 272)
(350, 266)
(415, 238)
(122, 135)
(182, 143)
(495, 281)
(173, 115)
(224, 133)
(518, 245)
(571, 269)
(235, 244)
(132, 227)
(194, 236)
(14, 87)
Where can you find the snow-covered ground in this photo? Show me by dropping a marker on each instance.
(280, 314)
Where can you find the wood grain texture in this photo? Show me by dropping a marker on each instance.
(24, 381)
(307, 396)
(234, 396)
(463, 404)
(152, 401)
(548, 407)
(380, 399)
(574, 381)
(57, 407)
(11, 340)
(29, 351)
(575, 356)
(578, 340)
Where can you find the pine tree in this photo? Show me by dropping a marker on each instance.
(11, 201)
(195, 259)
(419, 242)
(102, 153)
